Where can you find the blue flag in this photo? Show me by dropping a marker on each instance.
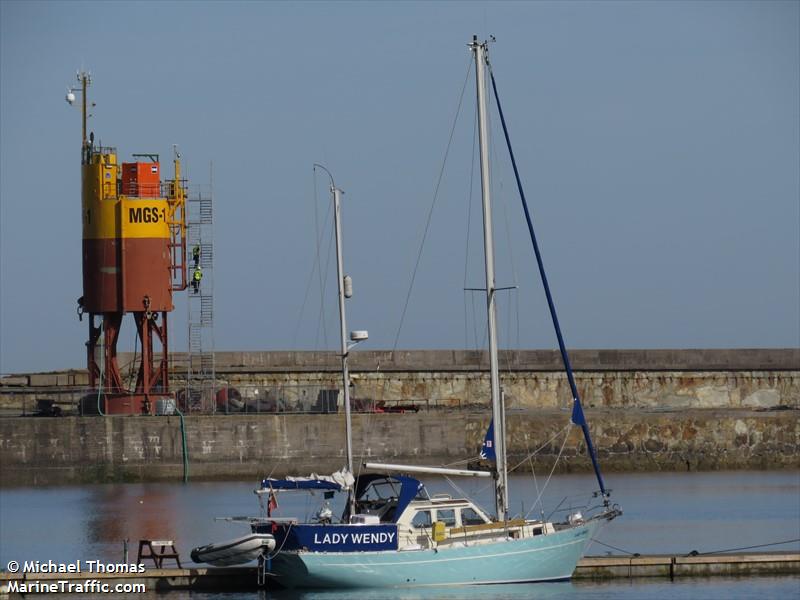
(487, 450)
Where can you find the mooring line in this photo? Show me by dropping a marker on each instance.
(596, 541)
(696, 553)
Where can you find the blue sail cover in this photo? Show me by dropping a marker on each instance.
(300, 484)
(577, 413)
(487, 450)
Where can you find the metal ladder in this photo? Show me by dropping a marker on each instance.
(200, 369)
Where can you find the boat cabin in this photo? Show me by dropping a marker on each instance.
(383, 497)
(396, 512)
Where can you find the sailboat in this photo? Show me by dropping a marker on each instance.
(393, 533)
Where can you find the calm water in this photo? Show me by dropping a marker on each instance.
(663, 513)
(767, 588)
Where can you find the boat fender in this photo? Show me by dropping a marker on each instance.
(439, 533)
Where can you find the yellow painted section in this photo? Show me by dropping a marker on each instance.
(144, 218)
(99, 197)
(106, 215)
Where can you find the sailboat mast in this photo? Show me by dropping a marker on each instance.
(337, 193)
(501, 479)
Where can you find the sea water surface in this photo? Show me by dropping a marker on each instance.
(663, 513)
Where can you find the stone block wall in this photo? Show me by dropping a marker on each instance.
(38, 451)
(648, 410)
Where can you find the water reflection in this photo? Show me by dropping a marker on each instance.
(531, 591)
(124, 511)
(715, 588)
(663, 513)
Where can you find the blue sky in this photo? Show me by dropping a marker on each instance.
(659, 144)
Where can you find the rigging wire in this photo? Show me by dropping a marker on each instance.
(547, 481)
(510, 299)
(311, 274)
(477, 345)
(533, 473)
(314, 267)
(463, 494)
(577, 410)
(323, 285)
(469, 228)
(430, 210)
(497, 182)
(317, 243)
(540, 448)
(322, 280)
(368, 419)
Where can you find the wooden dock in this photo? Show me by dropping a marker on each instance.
(701, 565)
(589, 568)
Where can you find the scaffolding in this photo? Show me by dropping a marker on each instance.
(200, 373)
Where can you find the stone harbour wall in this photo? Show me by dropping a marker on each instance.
(532, 379)
(533, 390)
(648, 410)
(39, 451)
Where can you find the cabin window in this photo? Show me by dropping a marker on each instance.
(448, 517)
(389, 513)
(421, 519)
(380, 490)
(470, 517)
(537, 531)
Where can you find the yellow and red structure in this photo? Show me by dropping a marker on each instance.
(134, 249)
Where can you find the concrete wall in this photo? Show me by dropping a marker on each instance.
(648, 410)
(36, 451)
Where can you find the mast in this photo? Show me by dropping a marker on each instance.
(84, 79)
(498, 418)
(337, 194)
(345, 286)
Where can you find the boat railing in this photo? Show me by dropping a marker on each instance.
(104, 150)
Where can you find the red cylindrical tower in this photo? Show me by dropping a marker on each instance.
(133, 259)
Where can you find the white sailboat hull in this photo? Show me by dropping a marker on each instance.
(234, 552)
(550, 557)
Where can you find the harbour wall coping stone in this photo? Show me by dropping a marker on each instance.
(739, 359)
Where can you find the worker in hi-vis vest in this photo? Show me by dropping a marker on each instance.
(196, 277)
